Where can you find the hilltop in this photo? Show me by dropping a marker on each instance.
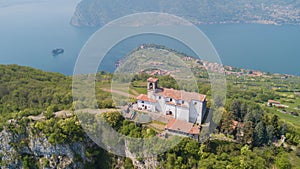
(39, 129)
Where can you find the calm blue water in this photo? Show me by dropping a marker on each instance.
(30, 29)
(262, 47)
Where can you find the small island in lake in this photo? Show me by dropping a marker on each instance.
(57, 51)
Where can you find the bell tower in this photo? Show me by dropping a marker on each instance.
(152, 86)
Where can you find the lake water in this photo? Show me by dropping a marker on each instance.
(31, 29)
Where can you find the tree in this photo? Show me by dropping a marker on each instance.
(171, 158)
(282, 161)
(247, 131)
(244, 110)
(274, 123)
(201, 150)
(270, 133)
(191, 148)
(235, 109)
(226, 126)
(245, 150)
(260, 134)
(50, 110)
(149, 133)
(114, 119)
(128, 163)
(283, 129)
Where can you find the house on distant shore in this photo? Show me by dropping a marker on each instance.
(273, 103)
(184, 107)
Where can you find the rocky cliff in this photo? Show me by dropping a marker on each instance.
(32, 149)
(40, 151)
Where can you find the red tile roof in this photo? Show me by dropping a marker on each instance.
(195, 130)
(273, 101)
(179, 125)
(144, 97)
(236, 124)
(170, 123)
(182, 95)
(171, 103)
(151, 79)
(177, 104)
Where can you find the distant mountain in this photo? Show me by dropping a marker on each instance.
(99, 12)
(7, 3)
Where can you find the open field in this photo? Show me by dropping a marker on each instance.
(294, 159)
(289, 119)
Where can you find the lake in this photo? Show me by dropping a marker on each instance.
(31, 29)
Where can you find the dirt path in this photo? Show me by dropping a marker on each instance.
(97, 111)
(118, 92)
(134, 92)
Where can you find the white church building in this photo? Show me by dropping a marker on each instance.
(184, 106)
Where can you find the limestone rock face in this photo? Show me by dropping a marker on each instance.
(65, 155)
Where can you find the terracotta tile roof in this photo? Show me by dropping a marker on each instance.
(181, 95)
(179, 125)
(178, 104)
(151, 79)
(171, 103)
(273, 101)
(144, 97)
(170, 123)
(236, 124)
(195, 130)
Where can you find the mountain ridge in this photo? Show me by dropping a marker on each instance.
(95, 13)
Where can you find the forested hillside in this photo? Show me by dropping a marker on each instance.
(36, 134)
(32, 91)
(32, 135)
(100, 12)
(24, 87)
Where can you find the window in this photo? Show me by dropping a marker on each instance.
(159, 97)
(150, 86)
(143, 102)
(169, 112)
(171, 99)
(182, 102)
(195, 103)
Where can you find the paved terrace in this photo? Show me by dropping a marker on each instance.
(155, 116)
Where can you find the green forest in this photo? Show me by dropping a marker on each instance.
(255, 141)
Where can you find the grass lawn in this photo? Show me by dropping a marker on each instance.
(157, 126)
(294, 160)
(289, 119)
(141, 90)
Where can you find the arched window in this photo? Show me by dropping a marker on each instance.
(150, 86)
